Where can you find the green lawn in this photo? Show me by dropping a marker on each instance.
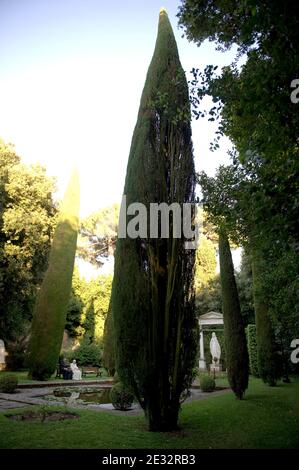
(268, 418)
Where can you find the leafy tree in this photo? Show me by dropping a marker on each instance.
(88, 307)
(233, 208)
(95, 296)
(98, 233)
(227, 197)
(51, 306)
(208, 299)
(237, 361)
(87, 354)
(205, 263)
(253, 107)
(152, 294)
(27, 218)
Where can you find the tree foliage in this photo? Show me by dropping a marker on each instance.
(234, 333)
(98, 233)
(109, 344)
(88, 307)
(152, 299)
(230, 199)
(268, 359)
(205, 263)
(27, 218)
(252, 349)
(74, 317)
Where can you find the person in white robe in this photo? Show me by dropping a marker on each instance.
(77, 374)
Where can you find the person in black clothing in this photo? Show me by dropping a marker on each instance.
(64, 369)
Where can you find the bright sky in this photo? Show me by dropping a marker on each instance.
(71, 77)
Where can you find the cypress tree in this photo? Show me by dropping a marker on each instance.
(89, 324)
(51, 305)
(152, 294)
(268, 363)
(108, 357)
(234, 333)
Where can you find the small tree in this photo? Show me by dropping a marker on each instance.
(234, 333)
(52, 302)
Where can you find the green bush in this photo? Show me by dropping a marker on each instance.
(8, 384)
(207, 383)
(87, 355)
(120, 397)
(116, 377)
(252, 350)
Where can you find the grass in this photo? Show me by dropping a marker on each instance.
(22, 377)
(267, 418)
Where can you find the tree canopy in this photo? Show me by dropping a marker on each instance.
(27, 219)
(253, 107)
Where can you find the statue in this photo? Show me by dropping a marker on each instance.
(3, 354)
(215, 349)
(74, 396)
(77, 374)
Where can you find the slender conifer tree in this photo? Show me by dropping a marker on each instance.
(152, 295)
(52, 301)
(234, 333)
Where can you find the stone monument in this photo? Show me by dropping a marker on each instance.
(215, 350)
(3, 355)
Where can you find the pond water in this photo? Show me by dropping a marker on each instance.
(97, 396)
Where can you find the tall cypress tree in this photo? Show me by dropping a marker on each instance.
(152, 295)
(52, 302)
(268, 359)
(108, 357)
(234, 334)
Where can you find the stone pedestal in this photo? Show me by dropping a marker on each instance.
(202, 364)
(215, 367)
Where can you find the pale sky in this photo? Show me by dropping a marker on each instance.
(71, 77)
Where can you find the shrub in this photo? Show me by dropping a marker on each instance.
(8, 384)
(87, 355)
(121, 397)
(116, 377)
(207, 383)
(252, 349)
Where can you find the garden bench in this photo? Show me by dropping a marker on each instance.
(91, 370)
